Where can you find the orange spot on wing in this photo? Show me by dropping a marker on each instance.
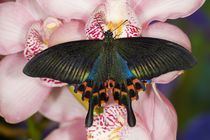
(130, 87)
(102, 90)
(88, 89)
(139, 90)
(95, 94)
(133, 98)
(135, 81)
(80, 92)
(124, 93)
(103, 102)
(116, 101)
(85, 83)
(86, 99)
(116, 90)
(123, 105)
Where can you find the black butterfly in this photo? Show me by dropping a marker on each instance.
(121, 65)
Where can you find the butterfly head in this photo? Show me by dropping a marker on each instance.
(108, 34)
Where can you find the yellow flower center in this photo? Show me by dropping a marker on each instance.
(51, 26)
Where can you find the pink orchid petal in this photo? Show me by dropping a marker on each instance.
(62, 106)
(54, 23)
(149, 10)
(20, 95)
(69, 9)
(167, 77)
(139, 131)
(14, 23)
(74, 131)
(74, 30)
(168, 32)
(34, 8)
(158, 114)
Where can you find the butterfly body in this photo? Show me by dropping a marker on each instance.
(121, 66)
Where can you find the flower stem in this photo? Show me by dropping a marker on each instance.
(34, 132)
(12, 132)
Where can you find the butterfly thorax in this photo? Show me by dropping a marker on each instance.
(108, 37)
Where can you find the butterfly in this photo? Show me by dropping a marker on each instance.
(123, 66)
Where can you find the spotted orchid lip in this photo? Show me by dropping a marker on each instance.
(99, 17)
(37, 41)
(111, 124)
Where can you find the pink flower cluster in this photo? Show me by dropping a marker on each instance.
(30, 26)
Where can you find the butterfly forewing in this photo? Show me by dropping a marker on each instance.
(69, 62)
(150, 57)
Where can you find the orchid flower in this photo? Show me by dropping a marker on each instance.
(30, 26)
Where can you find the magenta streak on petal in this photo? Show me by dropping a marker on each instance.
(33, 41)
(34, 45)
(131, 28)
(92, 29)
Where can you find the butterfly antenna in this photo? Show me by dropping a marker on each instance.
(120, 25)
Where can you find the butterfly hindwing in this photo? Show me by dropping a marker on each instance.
(69, 62)
(150, 57)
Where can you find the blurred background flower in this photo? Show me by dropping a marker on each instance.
(189, 93)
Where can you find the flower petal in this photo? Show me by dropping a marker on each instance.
(149, 10)
(167, 77)
(137, 132)
(73, 30)
(69, 9)
(168, 32)
(74, 131)
(34, 8)
(158, 114)
(14, 22)
(20, 95)
(62, 106)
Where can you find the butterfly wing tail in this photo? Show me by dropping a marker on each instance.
(125, 93)
(93, 93)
